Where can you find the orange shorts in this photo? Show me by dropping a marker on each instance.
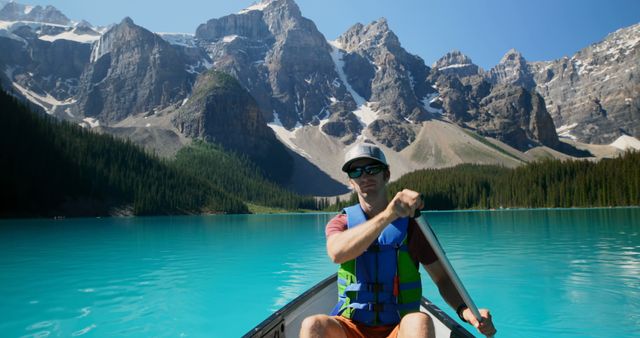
(358, 330)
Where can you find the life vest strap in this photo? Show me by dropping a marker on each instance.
(410, 285)
(386, 247)
(384, 307)
(378, 287)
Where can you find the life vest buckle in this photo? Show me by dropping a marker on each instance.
(376, 307)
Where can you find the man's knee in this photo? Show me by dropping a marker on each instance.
(316, 324)
(417, 317)
(416, 324)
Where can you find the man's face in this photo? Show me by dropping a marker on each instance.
(368, 184)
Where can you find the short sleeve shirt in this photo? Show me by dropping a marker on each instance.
(419, 248)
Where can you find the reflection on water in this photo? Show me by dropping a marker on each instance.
(541, 272)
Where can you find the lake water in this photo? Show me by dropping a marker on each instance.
(543, 273)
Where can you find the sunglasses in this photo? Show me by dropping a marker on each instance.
(371, 169)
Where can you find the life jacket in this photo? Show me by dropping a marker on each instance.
(383, 284)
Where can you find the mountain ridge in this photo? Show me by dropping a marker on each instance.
(310, 90)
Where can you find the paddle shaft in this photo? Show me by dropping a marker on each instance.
(435, 245)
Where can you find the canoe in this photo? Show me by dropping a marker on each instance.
(321, 298)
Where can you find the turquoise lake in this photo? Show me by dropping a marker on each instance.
(543, 273)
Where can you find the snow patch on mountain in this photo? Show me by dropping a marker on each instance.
(179, 39)
(229, 38)
(72, 36)
(428, 100)
(459, 65)
(47, 102)
(256, 7)
(565, 131)
(90, 122)
(364, 112)
(286, 136)
(6, 31)
(625, 142)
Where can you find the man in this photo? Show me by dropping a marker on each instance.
(379, 248)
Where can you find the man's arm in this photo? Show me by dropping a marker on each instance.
(445, 285)
(351, 243)
(450, 294)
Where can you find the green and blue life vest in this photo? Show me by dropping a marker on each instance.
(383, 284)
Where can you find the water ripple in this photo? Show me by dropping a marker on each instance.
(84, 331)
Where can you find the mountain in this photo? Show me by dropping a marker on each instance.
(281, 59)
(513, 69)
(594, 95)
(219, 110)
(509, 112)
(42, 62)
(317, 96)
(131, 71)
(457, 64)
(386, 79)
(14, 11)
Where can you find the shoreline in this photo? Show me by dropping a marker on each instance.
(293, 212)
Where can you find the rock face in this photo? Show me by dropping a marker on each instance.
(596, 92)
(281, 59)
(509, 112)
(131, 71)
(380, 71)
(513, 69)
(46, 72)
(516, 116)
(221, 111)
(458, 64)
(14, 11)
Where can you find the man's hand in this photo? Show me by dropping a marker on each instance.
(485, 327)
(405, 203)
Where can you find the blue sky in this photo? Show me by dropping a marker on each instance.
(482, 29)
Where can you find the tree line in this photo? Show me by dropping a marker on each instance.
(547, 183)
(238, 175)
(52, 167)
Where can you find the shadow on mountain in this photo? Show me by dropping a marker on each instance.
(572, 150)
(308, 179)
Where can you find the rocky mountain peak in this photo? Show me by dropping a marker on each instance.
(281, 58)
(392, 80)
(272, 4)
(119, 36)
(284, 16)
(14, 11)
(593, 95)
(375, 34)
(454, 57)
(380, 25)
(513, 57)
(132, 71)
(127, 21)
(513, 69)
(83, 24)
(456, 63)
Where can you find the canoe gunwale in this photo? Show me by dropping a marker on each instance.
(278, 317)
(271, 324)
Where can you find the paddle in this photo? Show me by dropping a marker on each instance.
(433, 241)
